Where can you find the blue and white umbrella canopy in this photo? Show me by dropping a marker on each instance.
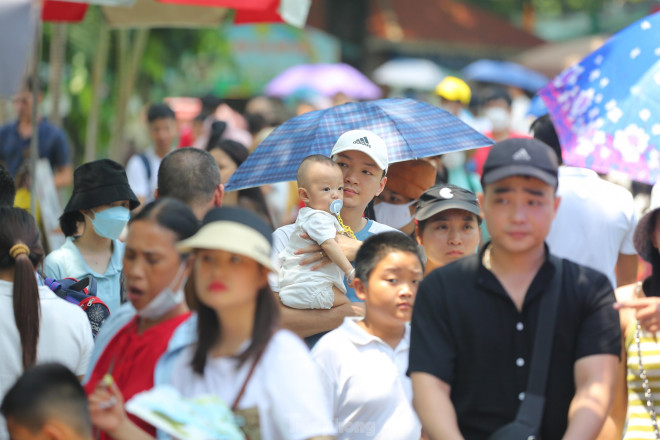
(411, 130)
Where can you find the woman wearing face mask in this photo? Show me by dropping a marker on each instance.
(131, 341)
(232, 347)
(93, 219)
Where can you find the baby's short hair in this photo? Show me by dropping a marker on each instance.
(314, 158)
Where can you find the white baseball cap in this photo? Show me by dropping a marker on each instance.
(364, 141)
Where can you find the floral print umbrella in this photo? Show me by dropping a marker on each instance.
(606, 108)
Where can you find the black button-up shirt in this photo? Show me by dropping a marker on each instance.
(467, 331)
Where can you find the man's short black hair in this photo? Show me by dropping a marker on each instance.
(378, 246)
(159, 111)
(544, 130)
(7, 187)
(46, 392)
(188, 174)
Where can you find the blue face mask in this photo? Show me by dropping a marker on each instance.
(110, 222)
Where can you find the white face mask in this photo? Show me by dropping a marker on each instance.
(499, 118)
(396, 216)
(167, 299)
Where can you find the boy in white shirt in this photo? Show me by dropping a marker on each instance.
(363, 362)
(320, 185)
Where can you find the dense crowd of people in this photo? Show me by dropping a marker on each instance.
(491, 294)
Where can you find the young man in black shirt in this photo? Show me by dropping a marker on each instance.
(474, 321)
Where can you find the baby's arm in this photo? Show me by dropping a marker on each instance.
(336, 255)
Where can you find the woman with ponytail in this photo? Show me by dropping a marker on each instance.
(35, 324)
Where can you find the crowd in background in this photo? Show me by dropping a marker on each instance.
(191, 278)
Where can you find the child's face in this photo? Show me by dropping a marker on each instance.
(390, 295)
(325, 183)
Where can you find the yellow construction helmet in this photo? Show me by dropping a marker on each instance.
(454, 89)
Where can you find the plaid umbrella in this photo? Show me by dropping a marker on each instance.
(411, 129)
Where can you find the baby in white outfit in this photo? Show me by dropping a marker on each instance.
(320, 182)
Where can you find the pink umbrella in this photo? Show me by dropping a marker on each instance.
(325, 79)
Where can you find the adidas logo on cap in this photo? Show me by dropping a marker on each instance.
(362, 141)
(521, 154)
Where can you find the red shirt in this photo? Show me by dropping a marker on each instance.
(481, 154)
(131, 359)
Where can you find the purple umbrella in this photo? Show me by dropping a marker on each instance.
(325, 79)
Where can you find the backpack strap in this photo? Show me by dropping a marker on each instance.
(147, 166)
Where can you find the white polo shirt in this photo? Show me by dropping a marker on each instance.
(595, 221)
(365, 380)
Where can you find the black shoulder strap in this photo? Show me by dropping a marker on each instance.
(147, 166)
(538, 374)
(531, 410)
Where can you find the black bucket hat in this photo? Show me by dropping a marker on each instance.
(97, 183)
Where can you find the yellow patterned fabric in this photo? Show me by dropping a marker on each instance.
(639, 425)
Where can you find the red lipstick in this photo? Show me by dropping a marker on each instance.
(217, 286)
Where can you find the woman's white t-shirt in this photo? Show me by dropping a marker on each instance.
(285, 386)
(65, 336)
